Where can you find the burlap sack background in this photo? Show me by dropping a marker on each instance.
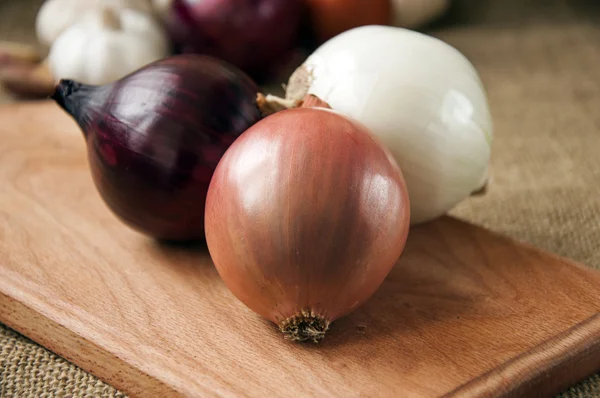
(540, 62)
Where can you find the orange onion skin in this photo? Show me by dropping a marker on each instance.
(332, 17)
(306, 211)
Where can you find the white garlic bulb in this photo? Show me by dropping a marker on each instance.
(420, 96)
(107, 45)
(57, 15)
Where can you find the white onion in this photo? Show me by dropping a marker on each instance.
(420, 96)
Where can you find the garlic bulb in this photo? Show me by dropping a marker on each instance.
(420, 96)
(414, 13)
(57, 15)
(107, 45)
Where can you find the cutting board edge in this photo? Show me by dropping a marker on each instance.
(571, 344)
(55, 337)
(576, 348)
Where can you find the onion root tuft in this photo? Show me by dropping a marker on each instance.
(304, 326)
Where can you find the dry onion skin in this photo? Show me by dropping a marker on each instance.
(306, 214)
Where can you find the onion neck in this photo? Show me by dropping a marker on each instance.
(270, 104)
(62, 94)
(79, 100)
(296, 94)
(312, 101)
(299, 83)
(304, 326)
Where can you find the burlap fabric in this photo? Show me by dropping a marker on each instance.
(540, 61)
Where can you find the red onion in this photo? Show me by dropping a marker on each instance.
(250, 34)
(155, 137)
(306, 214)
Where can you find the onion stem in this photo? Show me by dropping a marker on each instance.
(270, 104)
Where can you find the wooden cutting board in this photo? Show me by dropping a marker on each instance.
(464, 313)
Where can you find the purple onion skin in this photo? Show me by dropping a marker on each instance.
(250, 34)
(155, 137)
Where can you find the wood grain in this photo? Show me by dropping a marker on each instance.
(464, 313)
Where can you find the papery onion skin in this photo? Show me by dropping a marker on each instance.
(155, 137)
(250, 34)
(306, 215)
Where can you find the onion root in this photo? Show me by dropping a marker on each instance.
(304, 326)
